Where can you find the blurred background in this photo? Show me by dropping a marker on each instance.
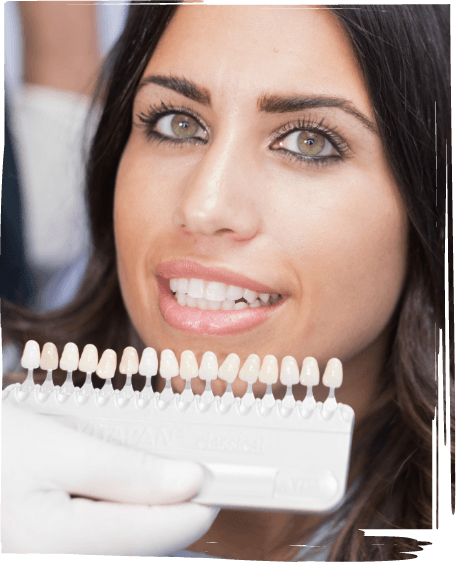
(53, 51)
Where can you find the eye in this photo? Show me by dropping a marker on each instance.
(179, 126)
(306, 143)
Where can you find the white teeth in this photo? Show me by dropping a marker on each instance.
(228, 304)
(215, 291)
(202, 304)
(208, 370)
(182, 285)
(269, 372)
(213, 295)
(289, 371)
(251, 369)
(196, 288)
(188, 365)
(250, 296)
(182, 298)
(168, 364)
(234, 293)
(230, 368)
(191, 301)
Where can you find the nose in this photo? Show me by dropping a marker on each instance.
(218, 195)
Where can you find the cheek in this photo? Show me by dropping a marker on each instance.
(349, 252)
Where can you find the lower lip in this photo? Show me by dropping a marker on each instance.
(210, 322)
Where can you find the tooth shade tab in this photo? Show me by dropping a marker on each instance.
(230, 368)
(106, 368)
(148, 366)
(49, 357)
(129, 363)
(269, 372)
(70, 358)
(310, 374)
(208, 370)
(332, 376)
(251, 369)
(89, 359)
(188, 365)
(31, 355)
(289, 371)
(168, 364)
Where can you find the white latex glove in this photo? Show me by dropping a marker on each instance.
(45, 463)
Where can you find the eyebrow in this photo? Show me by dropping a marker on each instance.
(266, 103)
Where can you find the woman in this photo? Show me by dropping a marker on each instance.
(294, 149)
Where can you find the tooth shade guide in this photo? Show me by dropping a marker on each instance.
(31, 355)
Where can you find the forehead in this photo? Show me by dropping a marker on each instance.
(258, 49)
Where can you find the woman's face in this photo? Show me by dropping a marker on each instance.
(254, 150)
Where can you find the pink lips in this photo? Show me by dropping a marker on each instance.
(209, 322)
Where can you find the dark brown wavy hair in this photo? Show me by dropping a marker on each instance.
(403, 52)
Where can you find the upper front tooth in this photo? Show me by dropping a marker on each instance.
(196, 288)
(182, 285)
(250, 296)
(264, 297)
(234, 293)
(215, 291)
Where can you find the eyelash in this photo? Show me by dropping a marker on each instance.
(156, 112)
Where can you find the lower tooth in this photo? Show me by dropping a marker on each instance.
(214, 305)
(255, 304)
(202, 304)
(228, 304)
(191, 302)
(240, 305)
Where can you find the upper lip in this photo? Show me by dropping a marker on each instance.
(178, 269)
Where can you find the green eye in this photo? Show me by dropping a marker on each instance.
(184, 126)
(310, 144)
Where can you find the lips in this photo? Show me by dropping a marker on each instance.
(188, 269)
(209, 322)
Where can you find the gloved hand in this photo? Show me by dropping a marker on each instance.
(45, 464)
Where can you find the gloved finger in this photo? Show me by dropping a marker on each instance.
(82, 465)
(121, 529)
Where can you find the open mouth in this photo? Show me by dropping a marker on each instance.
(212, 295)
